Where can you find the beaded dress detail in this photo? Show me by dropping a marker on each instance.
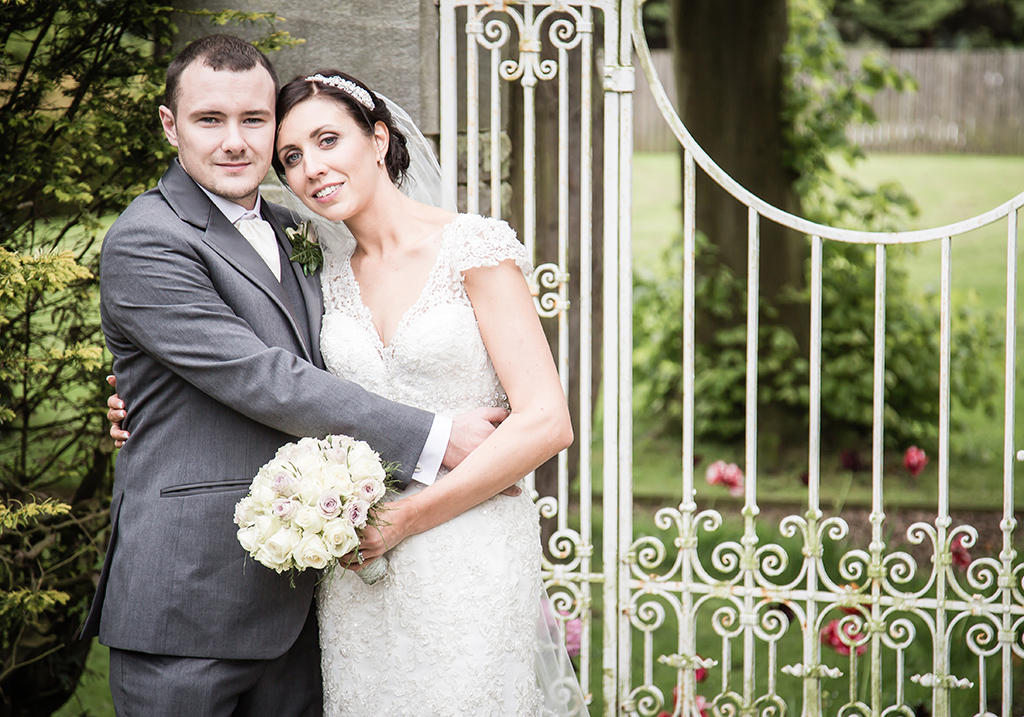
(453, 628)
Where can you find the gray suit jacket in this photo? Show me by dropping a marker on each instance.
(218, 369)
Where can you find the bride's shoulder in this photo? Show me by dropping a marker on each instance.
(480, 241)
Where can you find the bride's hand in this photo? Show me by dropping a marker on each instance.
(395, 523)
(115, 414)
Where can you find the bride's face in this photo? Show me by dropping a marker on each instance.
(330, 162)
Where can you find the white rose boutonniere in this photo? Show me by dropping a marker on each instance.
(306, 251)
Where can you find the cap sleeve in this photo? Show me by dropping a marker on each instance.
(488, 242)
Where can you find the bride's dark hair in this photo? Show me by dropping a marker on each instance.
(300, 89)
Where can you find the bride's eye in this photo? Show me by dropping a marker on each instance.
(291, 158)
(328, 141)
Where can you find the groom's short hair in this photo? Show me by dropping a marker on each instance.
(220, 52)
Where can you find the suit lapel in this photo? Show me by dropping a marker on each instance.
(309, 285)
(194, 207)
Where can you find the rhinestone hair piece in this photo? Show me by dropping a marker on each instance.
(350, 88)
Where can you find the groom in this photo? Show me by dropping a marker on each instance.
(215, 339)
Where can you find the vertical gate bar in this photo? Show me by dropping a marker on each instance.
(529, 141)
(563, 263)
(472, 112)
(449, 110)
(495, 134)
(877, 513)
(610, 368)
(624, 55)
(1009, 523)
(940, 692)
(812, 683)
(750, 483)
(586, 342)
(619, 52)
(687, 505)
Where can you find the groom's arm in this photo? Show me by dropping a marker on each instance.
(157, 296)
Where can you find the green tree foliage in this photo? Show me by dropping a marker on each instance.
(80, 82)
(933, 23)
(823, 95)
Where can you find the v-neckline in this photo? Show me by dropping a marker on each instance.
(383, 348)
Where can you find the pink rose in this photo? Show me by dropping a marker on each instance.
(283, 483)
(840, 638)
(329, 504)
(356, 512)
(914, 460)
(959, 554)
(370, 490)
(727, 474)
(283, 508)
(573, 630)
(700, 674)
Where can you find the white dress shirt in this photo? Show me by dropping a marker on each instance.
(265, 243)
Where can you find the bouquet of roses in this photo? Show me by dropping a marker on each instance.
(306, 505)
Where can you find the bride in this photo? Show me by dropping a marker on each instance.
(432, 309)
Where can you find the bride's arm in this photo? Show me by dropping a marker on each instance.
(537, 429)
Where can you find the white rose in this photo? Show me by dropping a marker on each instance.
(245, 513)
(266, 525)
(269, 468)
(311, 552)
(309, 520)
(364, 463)
(264, 557)
(281, 545)
(247, 538)
(341, 441)
(337, 477)
(262, 494)
(340, 537)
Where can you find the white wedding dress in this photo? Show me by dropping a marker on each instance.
(457, 627)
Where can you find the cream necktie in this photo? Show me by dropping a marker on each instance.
(260, 235)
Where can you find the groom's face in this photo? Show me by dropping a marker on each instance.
(223, 128)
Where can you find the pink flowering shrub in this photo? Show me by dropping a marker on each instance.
(702, 704)
(572, 636)
(727, 474)
(914, 460)
(959, 554)
(833, 635)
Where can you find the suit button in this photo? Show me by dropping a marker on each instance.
(417, 469)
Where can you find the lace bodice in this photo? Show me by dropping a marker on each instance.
(436, 359)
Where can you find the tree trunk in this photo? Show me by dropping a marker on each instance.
(729, 77)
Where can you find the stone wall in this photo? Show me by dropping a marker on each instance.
(389, 44)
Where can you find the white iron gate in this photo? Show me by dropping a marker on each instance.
(879, 600)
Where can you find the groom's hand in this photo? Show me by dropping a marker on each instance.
(469, 430)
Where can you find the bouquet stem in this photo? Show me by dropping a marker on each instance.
(375, 571)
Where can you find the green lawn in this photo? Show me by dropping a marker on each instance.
(947, 189)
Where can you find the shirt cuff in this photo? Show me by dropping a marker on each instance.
(434, 449)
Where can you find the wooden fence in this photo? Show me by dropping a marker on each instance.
(967, 102)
